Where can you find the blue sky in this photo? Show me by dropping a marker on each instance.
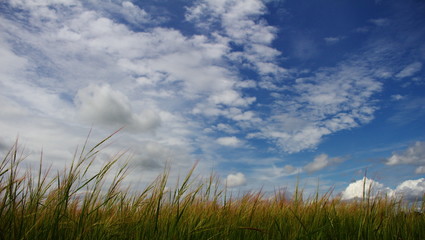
(261, 92)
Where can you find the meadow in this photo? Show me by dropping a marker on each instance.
(76, 204)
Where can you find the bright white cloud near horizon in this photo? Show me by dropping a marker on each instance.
(260, 91)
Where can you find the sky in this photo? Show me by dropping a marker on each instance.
(264, 93)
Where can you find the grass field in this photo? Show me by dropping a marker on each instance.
(73, 204)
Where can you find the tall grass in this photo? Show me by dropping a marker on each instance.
(74, 204)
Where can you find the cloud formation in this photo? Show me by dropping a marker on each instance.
(411, 190)
(229, 141)
(235, 180)
(275, 172)
(365, 188)
(410, 70)
(105, 106)
(160, 71)
(219, 80)
(328, 101)
(321, 161)
(241, 24)
(413, 155)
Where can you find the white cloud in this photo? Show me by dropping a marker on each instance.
(155, 79)
(410, 70)
(274, 172)
(164, 63)
(412, 190)
(365, 188)
(240, 23)
(134, 14)
(229, 141)
(414, 155)
(330, 100)
(103, 105)
(231, 98)
(10, 63)
(161, 70)
(75, 57)
(321, 161)
(226, 128)
(235, 180)
(154, 155)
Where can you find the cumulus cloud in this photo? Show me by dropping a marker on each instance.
(235, 180)
(229, 141)
(321, 161)
(103, 105)
(410, 70)
(411, 190)
(414, 155)
(365, 188)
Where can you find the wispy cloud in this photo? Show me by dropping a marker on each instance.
(380, 22)
(333, 40)
(321, 162)
(396, 97)
(414, 155)
(408, 110)
(240, 23)
(410, 70)
(275, 172)
(330, 100)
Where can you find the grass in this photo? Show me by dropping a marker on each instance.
(78, 204)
